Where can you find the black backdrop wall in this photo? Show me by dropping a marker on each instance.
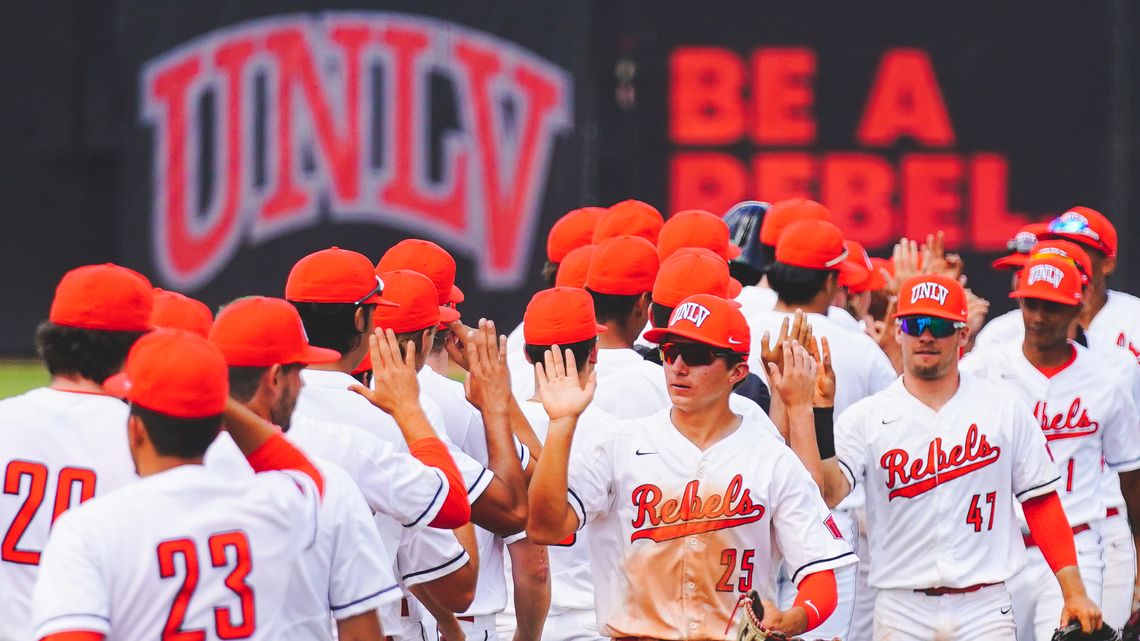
(211, 144)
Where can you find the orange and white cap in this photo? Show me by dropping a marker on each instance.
(1049, 277)
(176, 373)
(175, 311)
(259, 331)
(932, 295)
(1086, 226)
(103, 297)
(560, 316)
(1066, 249)
(1019, 247)
(335, 275)
(706, 319)
(695, 228)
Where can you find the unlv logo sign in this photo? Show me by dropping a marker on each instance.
(346, 129)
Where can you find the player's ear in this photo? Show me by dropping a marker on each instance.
(426, 340)
(1109, 265)
(362, 320)
(273, 378)
(738, 372)
(136, 433)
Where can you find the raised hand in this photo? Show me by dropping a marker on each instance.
(795, 383)
(394, 376)
(488, 383)
(937, 261)
(825, 380)
(977, 308)
(797, 328)
(457, 347)
(559, 386)
(906, 258)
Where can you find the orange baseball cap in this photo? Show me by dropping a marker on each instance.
(864, 276)
(574, 230)
(1050, 277)
(175, 311)
(104, 297)
(883, 263)
(1086, 226)
(629, 218)
(1019, 246)
(419, 306)
(335, 275)
(707, 319)
(623, 266)
(932, 295)
(693, 272)
(258, 331)
(1067, 249)
(427, 258)
(574, 267)
(560, 316)
(814, 244)
(176, 373)
(695, 228)
(786, 212)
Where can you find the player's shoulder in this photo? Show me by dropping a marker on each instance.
(1122, 300)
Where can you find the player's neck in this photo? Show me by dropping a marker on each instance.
(614, 337)
(438, 361)
(814, 306)
(1047, 356)
(348, 362)
(76, 384)
(1095, 301)
(933, 393)
(705, 427)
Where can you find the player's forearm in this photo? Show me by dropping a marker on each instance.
(835, 484)
(503, 507)
(1053, 535)
(779, 415)
(530, 571)
(466, 537)
(248, 430)
(1130, 489)
(802, 440)
(362, 627)
(551, 519)
(522, 429)
(447, 594)
(413, 423)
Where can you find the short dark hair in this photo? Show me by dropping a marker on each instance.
(796, 285)
(178, 437)
(612, 307)
(581, 351)
(659, 315)
(745, 273)
(769, 254)
(244, 382)
(333, 325)
(415, 336)
(549, 273)
(439, 343)
(91, 353)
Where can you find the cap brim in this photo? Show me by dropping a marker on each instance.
(731, 251)
(872, 283)
(1052, 296)
(1013, 262)
(317, 355)
(456, 295)
(448, 315)
(734, 288)
(118, 385)
(380, 302)
(659, 335)
(849, 269)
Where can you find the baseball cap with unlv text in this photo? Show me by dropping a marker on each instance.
(176, 373)
(560, 316)
(932, 295)
(103, 297)
(706, 319)
(259, 331)
(1086, 226)
(1049, 277)
(1066, 249)
(335, 275)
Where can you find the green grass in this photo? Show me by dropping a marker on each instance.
(17, 377)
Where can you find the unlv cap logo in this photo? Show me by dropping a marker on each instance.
(695, 313)
(332, 136)
(1048, 273)
(932, 291)
(691, 514)
(924, 474)
(1071, 424)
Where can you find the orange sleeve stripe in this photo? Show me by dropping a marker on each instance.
(1051, 531)
(456, 510)
(75, 635)
(817, 595)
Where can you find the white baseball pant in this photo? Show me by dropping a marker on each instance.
(1037, 599)
(985, 614)
(1119, 568)
(479, 628)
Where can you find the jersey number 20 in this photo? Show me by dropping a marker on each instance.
(37, 475)
(220, 545)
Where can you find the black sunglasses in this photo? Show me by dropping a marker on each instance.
(694, 354)
(939, 327)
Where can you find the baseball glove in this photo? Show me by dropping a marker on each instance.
(749, 628)
(1072, 632)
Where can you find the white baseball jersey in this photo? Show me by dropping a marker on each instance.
(1085, 413)
(940, 486)
(56, 449)
(1006, 329)
(184, 550)
(704, 526)
(348, 571)
(1119, 321)
(628, 385)
(755, 299)
(464, 426)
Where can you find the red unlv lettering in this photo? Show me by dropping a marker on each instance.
(1071, 424)
(691, 514)
(938, 467)
(323, 112)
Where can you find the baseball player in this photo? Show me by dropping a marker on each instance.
(695, 228)
(942, 455)
(64, 443)
(628, 218)
(760, 297)
(686, 508)
(416, 319)
(175, 311)
(184, 552)
(1087, 417)
(620, 281)
(744, 220)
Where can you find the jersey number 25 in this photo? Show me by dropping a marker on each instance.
(220, 547)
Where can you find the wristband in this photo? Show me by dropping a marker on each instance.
(824, 431)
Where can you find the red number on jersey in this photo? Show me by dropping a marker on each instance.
(220, 544)
(974, 514)
(37, 474)
(1069, 480)
(728, 560)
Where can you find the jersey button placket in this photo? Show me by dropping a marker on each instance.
(943, 502)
